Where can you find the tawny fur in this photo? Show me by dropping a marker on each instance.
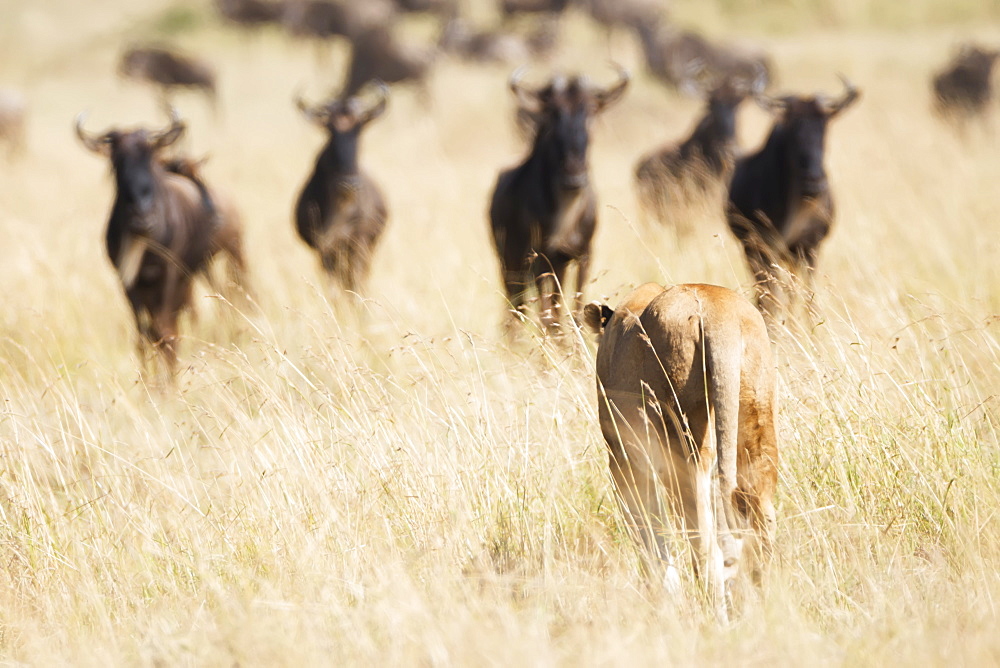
(686, 399)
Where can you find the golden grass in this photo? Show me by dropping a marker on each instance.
(401, 486)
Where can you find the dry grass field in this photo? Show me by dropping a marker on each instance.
(396, 484)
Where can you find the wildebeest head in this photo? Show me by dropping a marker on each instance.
(966, 83)
(977, 59)
(803, 120)
(133, 159)
(561, 113)
(344, 119)
(721, 103)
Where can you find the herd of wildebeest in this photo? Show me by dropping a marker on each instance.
(686, 380)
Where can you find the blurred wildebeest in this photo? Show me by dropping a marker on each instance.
(510, 8)
(675, 56)
(376, 55)
(163, 229)
(964, 88)
(250, 13)
(322, 19)
(623, 13)
(490, 46)
(780, 206)
(168, 70)
(341, 212)
(439, 7)
(674, 173)
(543, 212)
(227, 237)
(687, 403)
(12, 120)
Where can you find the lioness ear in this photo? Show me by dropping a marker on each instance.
(606, 313)
(596, 316)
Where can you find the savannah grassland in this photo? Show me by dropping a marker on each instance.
(396, 484)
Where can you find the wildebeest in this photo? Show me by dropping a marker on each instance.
(168, 70)
(509, 8)
(780, 206)
(227, 236)
(163, 229)
(251, 13)
(321, 18)
(623, 13)
(686, 400)
(964, 88)
(439, 7)
(676, 56)
(491, 46)
(12, 120)
(377, 55)
(705, 159)
(544, 212)
(341, 212)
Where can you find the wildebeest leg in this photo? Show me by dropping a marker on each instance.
(348, 269)
(808, 276)
(144, 334)
(550, 285)
(515, 284)
(236, 269)
(334, 266)
(163, 334)
(176, 295)
(362, 263)
(769, 287)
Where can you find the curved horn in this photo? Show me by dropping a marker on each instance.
(378, 107)
(615, 91)
(315, 114)
(761, 77)
(526, 99)
(850, 96)
(171, 134)
(772, 105)
(95, 143)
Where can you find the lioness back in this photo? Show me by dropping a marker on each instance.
(655, 333)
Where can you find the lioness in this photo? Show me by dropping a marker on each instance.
(685, 382)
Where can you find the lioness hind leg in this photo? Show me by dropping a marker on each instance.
(759, 543)
(710, 556)
(643, 504)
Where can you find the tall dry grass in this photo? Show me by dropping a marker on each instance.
(398, 485)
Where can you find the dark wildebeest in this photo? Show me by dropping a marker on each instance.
(341, 212)
(439, 7)
(163, 228)
(965, 87)
(677, 57)
(168, 70)
(623, 13)
(674, 173)
(544, 212)
(510, 8)
(780, 206)
(321, 19)
(12, 124)
(251, 13)
(376, 55)
(227, 236)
